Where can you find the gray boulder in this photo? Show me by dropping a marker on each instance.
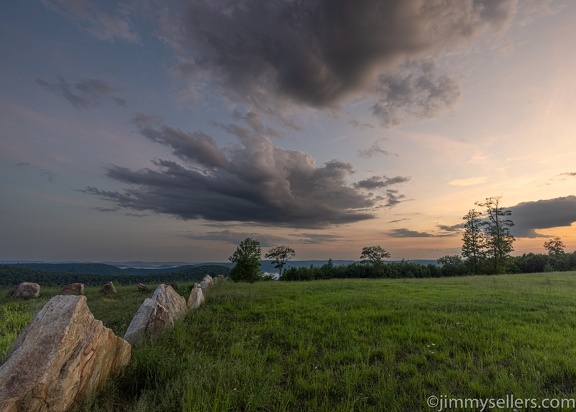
(151, 319)
(73, 289)
(196, 298)
(25, 290)
(171, 300)
(108, 288)
(62, 355)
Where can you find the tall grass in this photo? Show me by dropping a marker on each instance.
(344, 345)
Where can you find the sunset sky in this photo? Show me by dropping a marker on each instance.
(171, 130)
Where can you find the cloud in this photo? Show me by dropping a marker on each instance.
(89, 16)
(318, 53)
(377, 182)
(407, 233)
(316, 238)
(85, 93)
(528, 217)
(403, 232)
(417, 93)
(251, 182)
(571, 174)
(393, 198)
(374, 150)
(236, 238)
(398, 220)
(452, 228)
(48, 175)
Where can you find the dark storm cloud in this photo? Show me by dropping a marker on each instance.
(377, 182)
(528, 217)
(319, 52)
(252, 182)
(84, 94)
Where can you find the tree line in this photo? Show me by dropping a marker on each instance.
(13, 274)
(487, 243)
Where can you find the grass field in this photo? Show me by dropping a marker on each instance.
(344, 345)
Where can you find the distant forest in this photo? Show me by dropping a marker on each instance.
(100, 274)
(449, 266)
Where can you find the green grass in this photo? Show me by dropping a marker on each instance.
(355, 345)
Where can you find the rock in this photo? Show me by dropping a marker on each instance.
(73, 289)
(62, 355)
(108, 288)
(209, 279)
(220, 278)
(142, 287)
(25, 290)
(151, 319)
(196, 298)
(171, 300)
(204, 284)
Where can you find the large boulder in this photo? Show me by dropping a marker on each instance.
(73, 289)
(196, 298)
(151, 319)
(62, 355)
(140, 287)
(209, 279)
(25, 290)
(171, 300)
(108, 288)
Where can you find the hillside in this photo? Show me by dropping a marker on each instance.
(14, 274)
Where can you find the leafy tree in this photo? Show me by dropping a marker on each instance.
(280, 255)
(452, 265)
(554, 246)
(247, 260)
(474, 241)
(499, 239)
(374, 255)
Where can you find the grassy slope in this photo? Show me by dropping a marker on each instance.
(354, 345)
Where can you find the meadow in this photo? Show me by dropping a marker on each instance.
(345, 345)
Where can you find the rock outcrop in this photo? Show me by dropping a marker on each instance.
(142, 287)
(63, 354)
(108, 288)
(25, 290)
(73, 289)
(156, 314)
(196, 298)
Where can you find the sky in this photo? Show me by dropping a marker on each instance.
(172, 130)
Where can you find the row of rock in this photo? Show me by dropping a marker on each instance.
(64, 353)
(29, 290)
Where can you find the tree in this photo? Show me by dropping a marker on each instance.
(280, 255)
(247, 260)
(473, 240)
(499, 239)
(374, 255)
(554, 246)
